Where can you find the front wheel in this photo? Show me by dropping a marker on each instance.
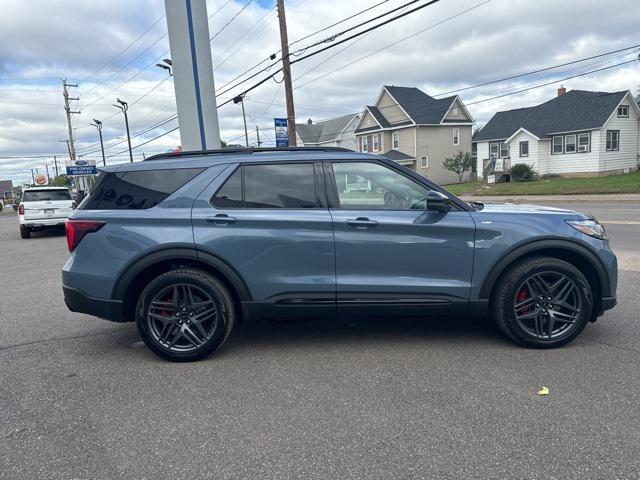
(184, 315)
(542, 302)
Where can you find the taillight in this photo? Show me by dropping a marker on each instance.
(21, 209)
(74, 205)
(77, 229)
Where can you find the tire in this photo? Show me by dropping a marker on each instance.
(174, 315)
(25, 232)
(522, 310)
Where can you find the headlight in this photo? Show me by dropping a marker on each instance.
(589, 227)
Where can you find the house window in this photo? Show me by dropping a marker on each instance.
(365, 144)
(456, 136)
(394, 140)
(493, 150)
(623, 111)
(524, 149)
(424, 161)
(557, 145)
(570, 144)
(584, 142)
(613, 140)
(376, 142)
(504, 150)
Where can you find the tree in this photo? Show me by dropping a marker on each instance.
(460, 163)
(61, 181)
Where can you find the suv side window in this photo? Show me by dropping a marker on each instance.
(140, 189)
(286, 185)
(371, 186)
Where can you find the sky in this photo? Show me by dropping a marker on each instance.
(110, 48)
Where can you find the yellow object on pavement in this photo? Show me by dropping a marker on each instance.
(543, 391)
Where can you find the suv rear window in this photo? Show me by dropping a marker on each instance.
(136, 190)
(288, 185)
(45, 195)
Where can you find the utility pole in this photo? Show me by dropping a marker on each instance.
(124, 106)
(55, 164)
(98, 125)
(67, 108)
(258, 136)
(33, 178)
(286, 70)
(240, 99)
(46, 165)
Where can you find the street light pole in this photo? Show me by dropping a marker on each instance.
(98, 125)
(240, 99)
(124, 106)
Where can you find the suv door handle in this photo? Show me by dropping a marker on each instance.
(221, 219)
(362, 222)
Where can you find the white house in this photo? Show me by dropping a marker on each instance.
(577, 132)
(336, 132)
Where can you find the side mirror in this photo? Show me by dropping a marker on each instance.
(438, 202)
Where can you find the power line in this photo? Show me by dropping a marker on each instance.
(230, 21)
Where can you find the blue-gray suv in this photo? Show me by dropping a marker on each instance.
(188, 245)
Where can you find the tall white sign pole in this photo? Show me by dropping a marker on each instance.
(188, 28)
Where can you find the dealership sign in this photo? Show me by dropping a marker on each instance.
(81, 167)
(282, 132)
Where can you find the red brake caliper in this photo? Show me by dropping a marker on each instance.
(523, 294)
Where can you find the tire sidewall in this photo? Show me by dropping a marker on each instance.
(197, 279)
(548, 265)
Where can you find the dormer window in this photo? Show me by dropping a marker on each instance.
(623, 111)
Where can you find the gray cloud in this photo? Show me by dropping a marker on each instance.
(41, 41)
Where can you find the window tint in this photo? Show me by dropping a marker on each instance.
(230, 194)
(279, 186)
(136, 190)
(371, 186)
(45, 195)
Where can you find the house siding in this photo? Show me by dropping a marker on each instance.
(627, 155)
(390, 109)
(514, 151)
(368, 121)
(579, 162)
(451, 115)
(481, 155)
(438, 142)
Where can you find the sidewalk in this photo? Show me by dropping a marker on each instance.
(598, 198)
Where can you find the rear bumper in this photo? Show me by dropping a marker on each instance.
(44, 223)
(78, 301)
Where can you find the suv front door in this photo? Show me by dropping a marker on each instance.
(391, 251)
(270, 222)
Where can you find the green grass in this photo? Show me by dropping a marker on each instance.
(629, 183)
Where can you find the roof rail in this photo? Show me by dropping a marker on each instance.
(228, 151)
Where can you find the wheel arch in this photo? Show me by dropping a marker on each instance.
(138, 274)
(578, 255)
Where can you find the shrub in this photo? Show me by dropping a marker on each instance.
(521, 172)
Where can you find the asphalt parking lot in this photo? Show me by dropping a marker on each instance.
(437, 398)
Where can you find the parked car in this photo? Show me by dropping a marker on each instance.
(188, 245)
(44, 207)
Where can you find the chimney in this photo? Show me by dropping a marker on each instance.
(562, 90)
(309, 122)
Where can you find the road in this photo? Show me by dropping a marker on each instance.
(438, 398)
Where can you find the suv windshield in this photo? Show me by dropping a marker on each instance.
(45, 195)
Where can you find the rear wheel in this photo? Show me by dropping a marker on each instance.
(184, 315)
(542, 302)
(25, 232)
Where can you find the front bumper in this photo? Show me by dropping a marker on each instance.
(78, 301)
(608, 303)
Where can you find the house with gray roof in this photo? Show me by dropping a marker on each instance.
(576, 133)
(335, 132)
(414, 129)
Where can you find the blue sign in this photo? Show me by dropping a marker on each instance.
(282, 132)
(78, 170)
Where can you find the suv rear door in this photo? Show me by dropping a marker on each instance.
(47, 203)
(269, 221)
(391, 253)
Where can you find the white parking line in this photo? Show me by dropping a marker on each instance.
(621, 222)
